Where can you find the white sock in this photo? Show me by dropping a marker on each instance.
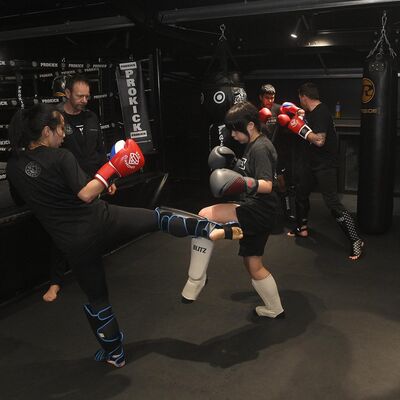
(268, 292)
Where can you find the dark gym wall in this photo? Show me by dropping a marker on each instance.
(185, 131)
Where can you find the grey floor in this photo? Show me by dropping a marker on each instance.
(340, 338)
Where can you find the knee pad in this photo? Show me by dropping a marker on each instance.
(201, 251)
(105, 327)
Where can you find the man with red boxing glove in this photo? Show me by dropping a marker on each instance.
(317, 163)
(283, 143)
(266, 95)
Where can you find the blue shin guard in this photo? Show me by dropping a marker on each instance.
(182, 223)
(106, 329)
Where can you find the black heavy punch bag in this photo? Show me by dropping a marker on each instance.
(220, 92)
(222, 87)
(377, 139)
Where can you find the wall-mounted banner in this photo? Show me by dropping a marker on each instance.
(133, 104)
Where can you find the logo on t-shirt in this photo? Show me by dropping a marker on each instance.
(241, 164)
(68, 130)
(80, 127)
(33, 169)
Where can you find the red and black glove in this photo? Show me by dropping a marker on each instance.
(225, 182)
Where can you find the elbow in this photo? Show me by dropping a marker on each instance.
(85, 197)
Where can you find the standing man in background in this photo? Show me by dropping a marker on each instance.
(283, 141)
(318, 163)
(266, 96)
(83, 136)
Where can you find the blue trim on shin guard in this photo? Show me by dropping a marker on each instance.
(106, 329)
(182, 223)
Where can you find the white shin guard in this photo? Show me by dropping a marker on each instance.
(201, 251)
(268, 292)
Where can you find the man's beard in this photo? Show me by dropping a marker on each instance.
(80, 107)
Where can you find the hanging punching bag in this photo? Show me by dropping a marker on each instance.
(377, 143)
(220, 92)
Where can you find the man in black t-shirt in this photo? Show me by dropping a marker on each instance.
(317, 162)
(283, 142)
(266, 96)
(83, 136)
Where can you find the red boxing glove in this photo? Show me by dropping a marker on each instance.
(126, 162)
(290, 108)
(299, 127)
(264, 114)
(283, 119)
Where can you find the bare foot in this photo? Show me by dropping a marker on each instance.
(51, 293)
(218, 234)
(299, 232)
(356, 249)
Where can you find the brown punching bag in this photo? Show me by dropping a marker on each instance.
(377, 143)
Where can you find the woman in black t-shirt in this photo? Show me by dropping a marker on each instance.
(255, 212)
(66, 203)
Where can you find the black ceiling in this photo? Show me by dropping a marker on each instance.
(332, 34)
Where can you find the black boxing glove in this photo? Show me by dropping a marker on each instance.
(225, 182)
(221, 157)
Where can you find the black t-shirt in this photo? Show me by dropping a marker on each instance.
(259, 162)
(270, 127)
(83, 137)
(49, 179)
(320, 121)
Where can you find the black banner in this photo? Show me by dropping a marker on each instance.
(133, 104)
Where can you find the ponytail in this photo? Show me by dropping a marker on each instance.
(16, 131)
(26, 126)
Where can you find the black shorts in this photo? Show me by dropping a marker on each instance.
(257, 219)
(253, 245)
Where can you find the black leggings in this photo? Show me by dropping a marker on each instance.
(86, 259)
(327, 182)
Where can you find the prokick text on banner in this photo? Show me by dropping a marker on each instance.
(133, 104)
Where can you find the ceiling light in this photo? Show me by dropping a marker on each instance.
(295, 31)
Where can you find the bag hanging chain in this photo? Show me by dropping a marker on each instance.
(383, 38)
(222, 29)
